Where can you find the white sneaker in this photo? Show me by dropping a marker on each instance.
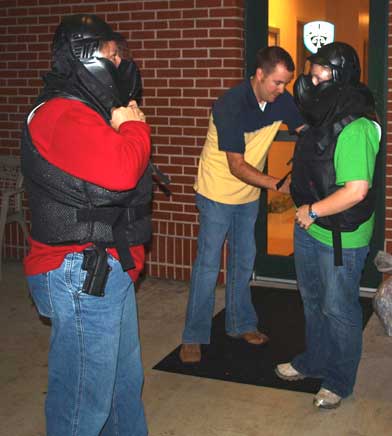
(325, 399)
(286, 371)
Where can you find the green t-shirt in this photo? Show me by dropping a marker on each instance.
(354, 159)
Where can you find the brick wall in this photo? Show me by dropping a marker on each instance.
(189, 52)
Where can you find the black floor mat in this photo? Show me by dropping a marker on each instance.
(281, 315)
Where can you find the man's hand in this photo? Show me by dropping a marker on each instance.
(285, 187)
(130, 113)
(249, 174)
(302, 217)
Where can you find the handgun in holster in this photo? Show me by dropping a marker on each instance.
(95, 262)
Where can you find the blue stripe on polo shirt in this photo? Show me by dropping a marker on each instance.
(238, 112)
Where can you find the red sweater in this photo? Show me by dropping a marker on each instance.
(74, 138)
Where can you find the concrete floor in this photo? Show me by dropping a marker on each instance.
(178, 405)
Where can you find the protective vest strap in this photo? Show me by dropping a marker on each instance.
(337, 247)
(118, 218)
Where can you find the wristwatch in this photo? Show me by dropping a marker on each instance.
(312, 214)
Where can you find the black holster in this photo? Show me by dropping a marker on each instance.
(95, 262)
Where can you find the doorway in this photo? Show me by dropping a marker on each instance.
(361, 23)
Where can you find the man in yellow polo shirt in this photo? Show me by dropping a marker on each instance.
(243, 124)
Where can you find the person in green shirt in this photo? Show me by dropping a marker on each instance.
(332, 187)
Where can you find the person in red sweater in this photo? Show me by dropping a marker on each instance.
(85, 154)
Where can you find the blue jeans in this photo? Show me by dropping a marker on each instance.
(218, 221)
(95, 371)
(333, 313)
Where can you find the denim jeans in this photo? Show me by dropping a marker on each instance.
(333, 313)
(95, 371)
(218, 221)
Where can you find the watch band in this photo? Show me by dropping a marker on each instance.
(312, 214)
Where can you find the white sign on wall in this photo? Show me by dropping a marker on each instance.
(317, 34)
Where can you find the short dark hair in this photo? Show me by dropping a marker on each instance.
(269, 57)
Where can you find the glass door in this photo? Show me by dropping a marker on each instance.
(361, 23)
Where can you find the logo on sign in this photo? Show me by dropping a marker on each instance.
(317, 34)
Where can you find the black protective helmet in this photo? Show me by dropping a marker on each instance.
(331, 100)
(83, 32)
(343, 61)
(76, 45)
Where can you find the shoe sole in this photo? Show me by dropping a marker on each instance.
(289, 377)
(327, 406)
(241, 338)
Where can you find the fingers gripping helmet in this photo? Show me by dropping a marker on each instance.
(76, 48)
(343, 61)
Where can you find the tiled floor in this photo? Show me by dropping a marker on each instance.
(179, 405)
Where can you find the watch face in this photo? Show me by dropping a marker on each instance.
(313, 215)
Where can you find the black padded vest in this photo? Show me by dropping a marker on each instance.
(68, 210)
(314, 177)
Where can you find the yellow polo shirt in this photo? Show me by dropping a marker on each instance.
(214, 179)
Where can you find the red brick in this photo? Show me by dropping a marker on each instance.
(155, 5)
(208, 3)
(236, 23)
(155, 25)
(181, 24)
(190, 208)
(195, 13)
(226, 53)
(181, 83)
(224, 12)
(169, 92)
(168, 34)
(196, 73)
(233, 43)
(156, 44)
(182, 63)
(168, 73)
(106, 7)
(168, 54)
(142, 16)
(131, 6)
(203, 33)
(165, 130)
(195, 92)
(209, 63)
(168, 15)
(182, 43)
(226, 33)
(182, 121)
(183, 217)
(209, 23)
(182, 4)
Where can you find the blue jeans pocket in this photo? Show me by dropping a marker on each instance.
(39, 290)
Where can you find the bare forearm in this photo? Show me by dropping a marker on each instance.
(253, 176)
(337, 202)
(344, 198)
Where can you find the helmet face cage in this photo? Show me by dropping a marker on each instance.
(84, 49)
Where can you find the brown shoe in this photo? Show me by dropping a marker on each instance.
(190, 353)
(254, 338)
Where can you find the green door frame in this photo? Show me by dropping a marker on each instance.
(256, 35)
